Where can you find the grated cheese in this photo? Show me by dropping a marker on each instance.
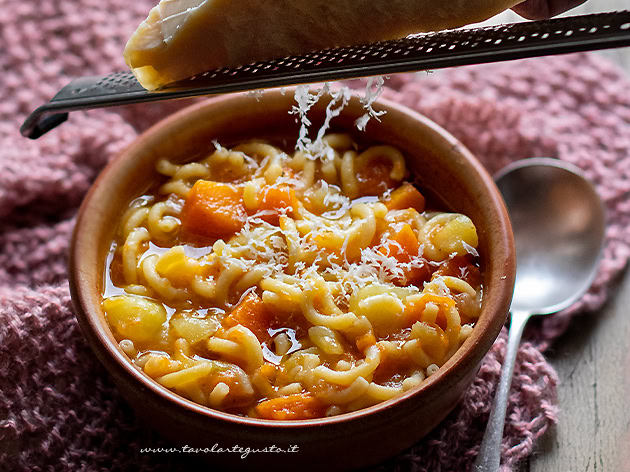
(372, 92)
(266, 247)
(318, 149)
(470, 249)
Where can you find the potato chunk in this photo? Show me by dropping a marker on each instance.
(137, 318)
(450, 234)
(178, 268)
(450, 237)
(194, 330)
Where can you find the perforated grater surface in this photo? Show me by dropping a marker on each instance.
(422, 52)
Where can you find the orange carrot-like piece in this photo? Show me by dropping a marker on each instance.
(301, 406)
(374, 178)
(276, 201)
(404, 246)
(252, 313)
(389, 367)
(365, 341)
(461, 267)
(213, 209)
(405, 196)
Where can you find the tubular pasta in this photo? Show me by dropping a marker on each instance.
(132, 219)
(290, 389)
(363, 228)
(329, 170)
(250, 279)
(193, 170)
(333, 319)
(292, 237)
(130, 254)
(177, 187)
(347, 395)
(165, 167)
(158, 283)
(339, 141)
(207, 288)
(308, 174)
(224, 346)
(364, 369)
(273, 171)
(394, 155)
(281, 288)
(250, 195)
(241, 344)
(185, 376)
(349, 182)
(381, 392)
(159, 221)
(225, 281)
(260, 150)
(218, 394)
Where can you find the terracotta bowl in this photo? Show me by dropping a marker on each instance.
(443, 166)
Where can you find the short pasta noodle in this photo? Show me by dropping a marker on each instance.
(277, 285)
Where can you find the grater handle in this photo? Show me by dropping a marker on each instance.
(414, 53)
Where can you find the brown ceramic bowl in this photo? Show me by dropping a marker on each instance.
(364, 437)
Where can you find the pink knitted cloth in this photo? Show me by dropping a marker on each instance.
(58, 407)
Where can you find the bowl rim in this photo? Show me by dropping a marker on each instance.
(467, 357)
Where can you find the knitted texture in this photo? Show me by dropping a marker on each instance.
(59, 409)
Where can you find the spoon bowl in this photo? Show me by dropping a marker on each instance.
(559, 225)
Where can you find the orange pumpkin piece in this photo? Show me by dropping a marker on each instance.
(461, 267)
(277, 201)
(269, 371)
(213, 209)
(252, 313)
(390, 368)
(365, 341)
(374, 178)
(403, 246)
(406, 196)
(301, 406)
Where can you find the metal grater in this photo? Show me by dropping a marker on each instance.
(421, 52)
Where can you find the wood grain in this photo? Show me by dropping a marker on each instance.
(594, 421)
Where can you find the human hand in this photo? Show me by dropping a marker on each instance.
(542, 9)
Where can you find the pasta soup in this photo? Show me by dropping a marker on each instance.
(279, 286)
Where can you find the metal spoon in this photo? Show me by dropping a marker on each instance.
(559, 223)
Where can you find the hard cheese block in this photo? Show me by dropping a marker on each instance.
(182, 38)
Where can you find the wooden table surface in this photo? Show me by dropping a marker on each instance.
(593, 431)
(593, 361)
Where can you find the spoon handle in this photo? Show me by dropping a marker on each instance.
(489, 457)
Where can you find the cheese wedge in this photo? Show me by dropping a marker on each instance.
(182, 38)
